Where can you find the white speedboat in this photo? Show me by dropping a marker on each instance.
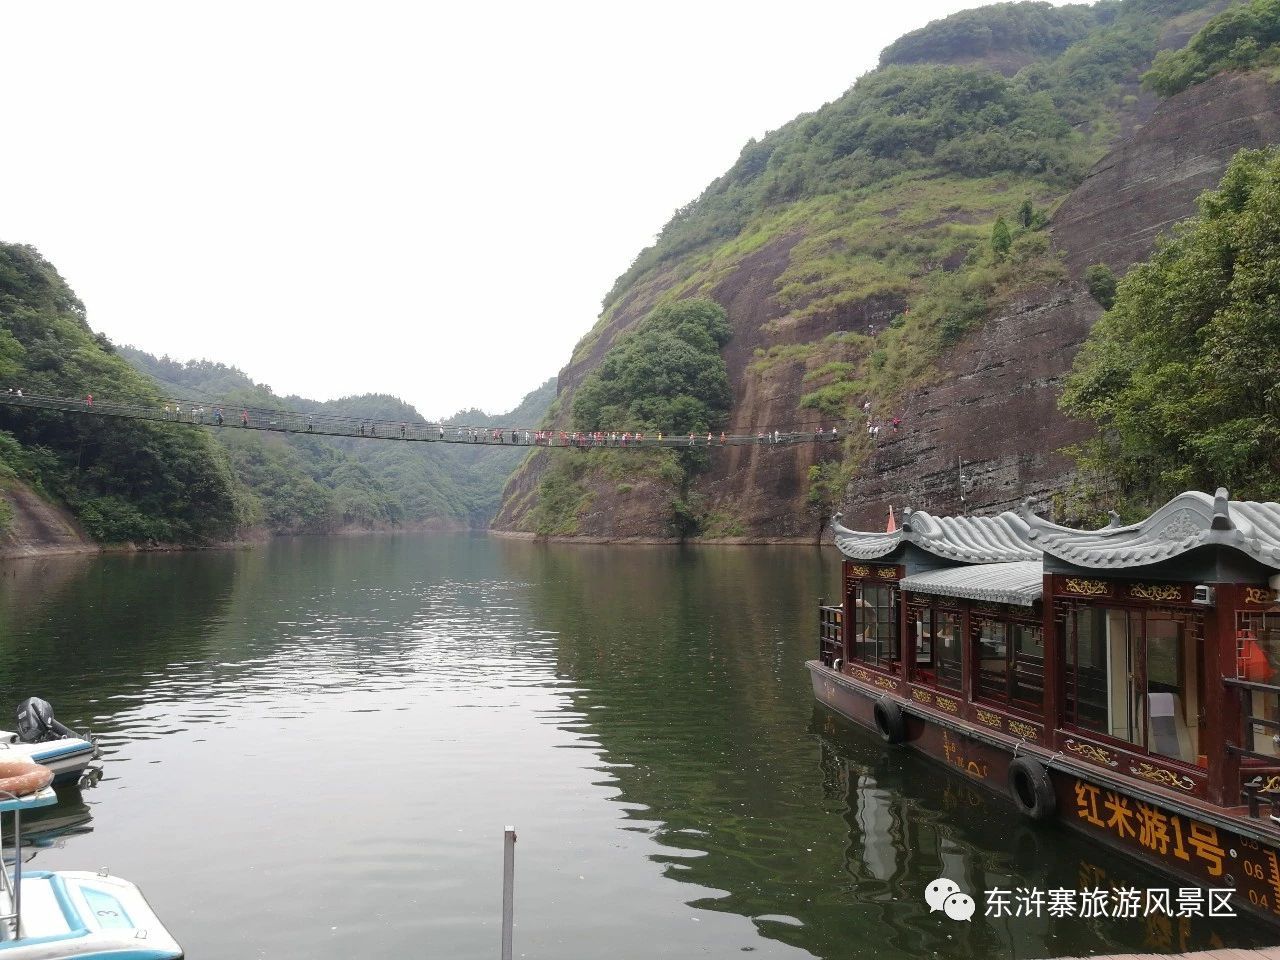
(65, 914)
(42, 739)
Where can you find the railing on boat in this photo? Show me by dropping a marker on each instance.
(1260, 768)
(830, 640)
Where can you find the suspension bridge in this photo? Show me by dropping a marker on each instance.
(236, 416)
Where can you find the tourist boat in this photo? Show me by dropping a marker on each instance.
(1123, 680)
(60, 915)
(42, 739)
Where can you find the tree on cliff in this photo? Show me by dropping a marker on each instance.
(1242, 37)
(1183, 373)
(125, 480)
(666, 375)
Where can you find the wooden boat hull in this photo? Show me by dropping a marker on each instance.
(1196, 844)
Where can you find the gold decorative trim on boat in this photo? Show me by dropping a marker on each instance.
(1024, 730)
(1162, 776)
(1090, 752)
(1155, 591)
(989, 718)
(1086, 588)
(886, 683)
(946, 703)
(1260, 595)
(921, 696)
(1272, 785)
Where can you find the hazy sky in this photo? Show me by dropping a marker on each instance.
(422, 199)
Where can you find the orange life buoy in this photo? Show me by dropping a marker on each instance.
(21, 777)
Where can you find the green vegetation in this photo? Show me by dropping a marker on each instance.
(900, 217)
(666, 375)
(300, 484)
(1182, 375)
(1005, 29)
(1242, 37)
(126, 481)
(1102, 285)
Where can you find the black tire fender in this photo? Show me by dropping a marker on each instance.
(1031, 789)
(890, 721)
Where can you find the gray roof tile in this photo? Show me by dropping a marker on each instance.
(1018, 582)
(1188, 521)
(999, 539)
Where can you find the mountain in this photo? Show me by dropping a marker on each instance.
(120, 480)
(930, 246)
(300, 484)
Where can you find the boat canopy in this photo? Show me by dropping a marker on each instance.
(1188, 521)
(998, 539)
(1019, 582)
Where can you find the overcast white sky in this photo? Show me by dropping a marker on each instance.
(422, 199)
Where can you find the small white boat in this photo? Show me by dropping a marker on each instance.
(42, 739)
(72, 915)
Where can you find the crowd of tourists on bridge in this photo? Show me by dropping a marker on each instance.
(210, 413)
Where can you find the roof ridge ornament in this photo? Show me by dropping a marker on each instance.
(1222, 511)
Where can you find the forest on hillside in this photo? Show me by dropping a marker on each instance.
(151, 483)
(922, 195)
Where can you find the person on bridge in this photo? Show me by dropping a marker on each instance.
(403, 427)
(88, 399)
(217, 415)
(311, 423)
(244, 418)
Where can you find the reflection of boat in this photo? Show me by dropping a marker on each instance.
(59, 915)
(1125, 679)
(43, 740)
(47, 826)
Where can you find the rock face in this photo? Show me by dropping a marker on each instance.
(991, 414)
(39, 528)
(995, 407)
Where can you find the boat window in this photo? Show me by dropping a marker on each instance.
(1085, 642)
(947, 648)
(1134, 676)
(1258, 660)
(874, 639)
(991, 643)
(1027, 674)
(1010, 662)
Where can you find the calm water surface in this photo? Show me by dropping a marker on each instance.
(312, 748)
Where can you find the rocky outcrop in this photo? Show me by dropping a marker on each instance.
(39, 528)
(991, 413)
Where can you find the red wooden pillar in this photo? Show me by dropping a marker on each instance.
(1222, 712)
(908, 659)
(846, 615)
(1055, 662)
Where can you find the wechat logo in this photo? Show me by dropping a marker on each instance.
(945, 895)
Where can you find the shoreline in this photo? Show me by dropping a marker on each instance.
(34, 551)
(661, 541)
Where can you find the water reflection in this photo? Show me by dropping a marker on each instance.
(353, 720)
(815, 831)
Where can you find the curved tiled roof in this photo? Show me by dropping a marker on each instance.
(1018, 583)
(857, 545)
(1187, 521)
(999, 539)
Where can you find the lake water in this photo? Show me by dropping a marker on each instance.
(312, 747)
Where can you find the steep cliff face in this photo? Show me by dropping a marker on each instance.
(986, 408)
(995, 405)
